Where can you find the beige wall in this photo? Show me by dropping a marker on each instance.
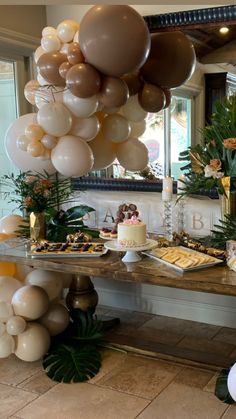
(29, 20)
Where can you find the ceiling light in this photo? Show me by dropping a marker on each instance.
(224, 30)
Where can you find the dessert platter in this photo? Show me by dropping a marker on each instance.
(47, 249)
(182, 258)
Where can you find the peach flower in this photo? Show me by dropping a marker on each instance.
(230, 143)
(215, 164)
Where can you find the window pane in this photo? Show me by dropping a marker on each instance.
(8, 113)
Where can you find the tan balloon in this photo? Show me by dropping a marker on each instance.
(152, 98)
(137, 128)
(132, 155)
(114, 92)
(63, 69)
(103, 152)
(48, 280)
(55, 119)
(48, 65)
(171, 61)
(30, 90)
(83, 80)
(116, 128)
(33, 343)
(56, 319)
(114, 39)
(133, 111)
(15, 325)
(7, 345)
(133, 82)
(30, 302)
(6, 311)
(85, 128)
(49, 141)
(34, 132)
(35, 148)
(8, 286)
(74, 54)
(72, 156)
(37, 54)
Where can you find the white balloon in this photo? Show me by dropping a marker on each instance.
(20, 158)
(49, 30)
(64, 49)
(55, 119)
(22, 142)
(80, 107)
(9, 224)
(8, 286)
(72, 156)
(66, 30)
(50, 43)
(76, 37)
(56, 319)
(30, 302)
(15, 325)
(7, 345)
(85, 128)
(132, 110)
(5, 311)
(48, 280)
(137, 128)
(44, 95)
(49, 141)
(30, 90)
(37, 54)
(33, 343)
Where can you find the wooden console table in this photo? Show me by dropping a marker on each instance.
(82, 295)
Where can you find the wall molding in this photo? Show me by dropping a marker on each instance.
(18, 42)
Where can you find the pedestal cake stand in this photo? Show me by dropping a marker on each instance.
(131, 254)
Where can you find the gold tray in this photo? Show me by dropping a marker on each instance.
(200, 260)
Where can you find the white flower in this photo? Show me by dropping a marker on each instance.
(210, 172)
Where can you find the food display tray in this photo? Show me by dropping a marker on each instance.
(210, 260)
(95, 250)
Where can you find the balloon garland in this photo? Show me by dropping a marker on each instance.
(110, 64)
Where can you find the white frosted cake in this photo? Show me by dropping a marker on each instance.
(132, 233)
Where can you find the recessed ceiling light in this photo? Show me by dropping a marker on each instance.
(224, 30)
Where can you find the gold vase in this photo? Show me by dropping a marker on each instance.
(37, 226)
(228, 199)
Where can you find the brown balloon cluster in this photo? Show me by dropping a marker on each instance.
(96, 83)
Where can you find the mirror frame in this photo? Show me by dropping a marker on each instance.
(214, 16)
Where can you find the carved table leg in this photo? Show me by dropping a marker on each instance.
(83, 297)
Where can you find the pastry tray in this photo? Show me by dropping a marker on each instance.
(199, 257)
(72, 250)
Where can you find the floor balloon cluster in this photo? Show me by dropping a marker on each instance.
(96, 83)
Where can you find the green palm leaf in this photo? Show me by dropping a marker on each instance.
(70, 364)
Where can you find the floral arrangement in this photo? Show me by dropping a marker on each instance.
(35, 191)
(212, 164)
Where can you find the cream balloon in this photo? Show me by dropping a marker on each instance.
(33, 343)
(15, 325)
(132, 110)
(231, 382)
(49, 141)
(21, 159)
(80, 107)
(72, 156)
(49, 30)
(76, 37)
(35, 149)
(56, 319)
(48, 280)
(5, 311)
(115, 128)
(85, 128)
(110, 111)
(2, 328)
(103, 152)
(37, 54)
(7, 345)
(66, 30)
(64, 49)
(55, 119)
(50, 43)
(30, 302)
(22, 271)
(10, 224)
(132, 155)
(30, 90)
(8, 286)
(34, 132)
(44, 95)
(22, 142)
(137, 128)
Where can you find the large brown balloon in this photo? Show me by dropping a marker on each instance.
(152, 98)
(74, 54)
(114, 38)
(83, 80)
(114, 92)
(133, 82)
(171, 61)
(48, 65)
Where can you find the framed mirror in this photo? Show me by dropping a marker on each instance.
(192, 104)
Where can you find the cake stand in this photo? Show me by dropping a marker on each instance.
(131, 254)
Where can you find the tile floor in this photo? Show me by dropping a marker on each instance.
(128, 386)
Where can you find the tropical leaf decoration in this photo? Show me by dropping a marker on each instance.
(221, 388)
(225, 230)
(73, 355)
(71, 364)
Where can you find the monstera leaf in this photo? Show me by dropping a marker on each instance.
(70, 364)
(221, 388)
